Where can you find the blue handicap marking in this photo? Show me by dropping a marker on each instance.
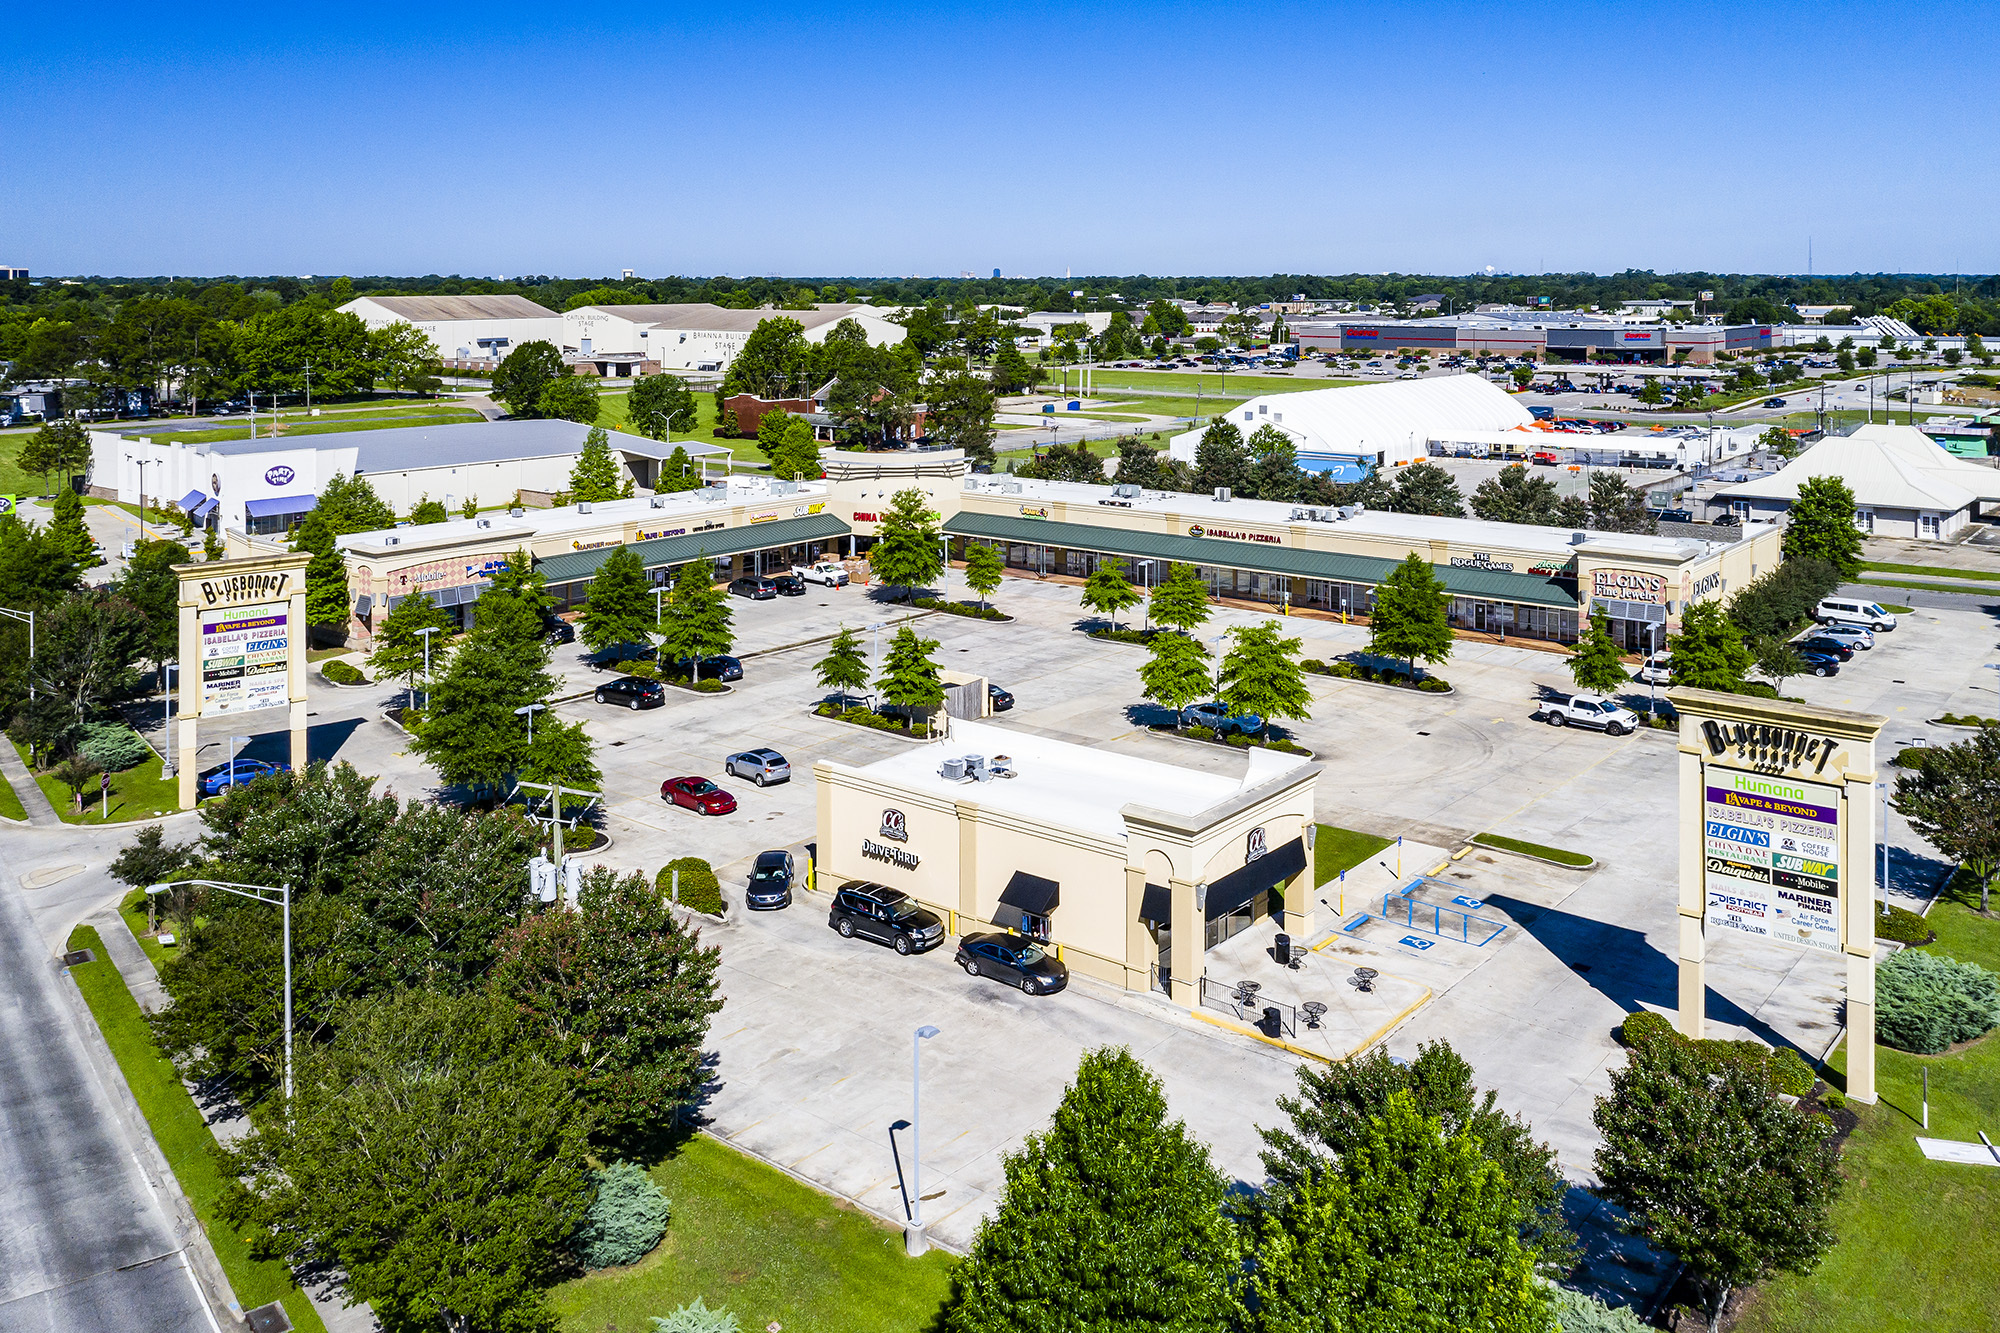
(1415, 943)
(1468, 902)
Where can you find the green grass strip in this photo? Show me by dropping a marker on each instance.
(140, 792)
(1338, 849)
(1556, 854)
(180, 1131)
(1919, 587)
(10, 802)
(1934, 571)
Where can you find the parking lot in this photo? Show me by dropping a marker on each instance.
(811, 1051)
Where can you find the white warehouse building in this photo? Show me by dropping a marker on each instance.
(464, 328)
(1348, 433)
(699, 336)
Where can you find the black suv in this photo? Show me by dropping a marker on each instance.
(1820, 644)
(770, 882)
(632, 691)
(719, 667)
(756, 588)
(887, 916)
(1014, 959)
(620, 652)
(556, 631)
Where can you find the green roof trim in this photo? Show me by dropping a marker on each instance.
(660, 551)
(1291, 561)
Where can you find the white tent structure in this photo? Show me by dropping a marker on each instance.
(1905, 484)
(1347, 432)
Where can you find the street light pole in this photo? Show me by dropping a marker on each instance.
(142, 464)
(528, 711)
(283, 901)
(426, 632)
(914, 1242)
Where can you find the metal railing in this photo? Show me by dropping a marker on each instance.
(1470, 929)
(1244, 1002)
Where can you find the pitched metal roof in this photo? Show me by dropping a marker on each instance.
(707, 318)
(679, 550)
(417, 309)
(1291, 561)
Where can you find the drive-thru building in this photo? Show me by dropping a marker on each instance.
(1130, 868)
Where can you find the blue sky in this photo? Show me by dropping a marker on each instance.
(895, 139)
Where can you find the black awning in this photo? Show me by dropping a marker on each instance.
(1238, 887)
(1030, 893)
(1157, 905)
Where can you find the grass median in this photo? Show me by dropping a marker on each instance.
(143, 791)
(1338, 849)
(10, 802)
(1546, 853)
(182, 1134)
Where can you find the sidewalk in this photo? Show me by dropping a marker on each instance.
(33, 799)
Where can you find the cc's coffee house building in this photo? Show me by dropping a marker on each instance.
(1132, 869)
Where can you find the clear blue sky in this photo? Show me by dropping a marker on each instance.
(894, 139)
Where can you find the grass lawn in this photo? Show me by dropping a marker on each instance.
(182, 1134)
(137, 793)
(1961, 932)
(415, 416)
(10, 802)
(1338, 849)
(1555, 854)
(1936, 571)
(1165, 382)
(748, 1238)
(1879, 582)
(614, 413)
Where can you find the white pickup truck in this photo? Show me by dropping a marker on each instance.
(829, 572)
(1587, 710)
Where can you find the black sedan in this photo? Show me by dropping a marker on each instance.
(556, 631)
(1833, 648)
(1821, 664)
(770, 884)
(633, 691)
(719, 667)
(789, 585)
(1002, 700)
(1014, 959)
(620, 652)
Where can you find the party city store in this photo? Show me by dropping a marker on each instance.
(1000, 829)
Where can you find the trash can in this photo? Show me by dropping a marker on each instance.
(1274, 1024)
(1281, 949)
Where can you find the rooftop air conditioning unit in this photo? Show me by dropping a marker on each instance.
(953, 770)
(392, 541)
(1125, 491)
(1303, 515)
(482, 522)
(1222, 495)
(1361, 509)
(1325, 515)
(583, 506)
(658, 502)
(976, 769)
(516, 512)
(1576, 538)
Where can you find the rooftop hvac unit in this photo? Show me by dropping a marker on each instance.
(583, 506)
(392, 541)
(1303, 515)
(658, 502)
(1360, 509)
(1222, 495)
(1125, 491)
(953, 770)
(517, 512)
(1009, 488)
(482, 522)
(976, 769)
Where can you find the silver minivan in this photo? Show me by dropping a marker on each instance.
(762, 767)
(1850, 611)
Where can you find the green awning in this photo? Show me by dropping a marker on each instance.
(1290, 561)
(679, 550)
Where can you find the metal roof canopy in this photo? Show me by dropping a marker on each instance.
(1294, 562)
(679, 550)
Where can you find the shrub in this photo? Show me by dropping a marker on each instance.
(625, 1221)
(696, 1318)
(1645, 1026)
(645, 670)
(700, 890)
(1201, 733)
(1312, 664)
(1924, 1002)
(1578, 1313)
(342, 673)
(1788, 1072)
(1915, 756)
(1902, 925)
(111, 746)
(1138, 636)
(1964, 720)
(962, 609)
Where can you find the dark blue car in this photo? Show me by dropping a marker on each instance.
(224, 776)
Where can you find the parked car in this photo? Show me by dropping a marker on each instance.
(756, 587)
(1545, 458)
(1726, 519)
(236, 772)
(1821, 664)
(789, 585)
(770, 884)
(887, 916)
(762, 767)
(1850, 611)
(1014, 959)
(620, 652)
(635, 692)
(1854, 636)
(697, 794)
(1656, 670)
(1001, 699)
(556, 631)
(1774, 402)
(1587, 710)
(829, 572)
(1215, 715)
(1672, 515)
(1820, 643)
(719, 667)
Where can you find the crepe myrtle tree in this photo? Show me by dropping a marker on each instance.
(983, 570)
(1107, 591)
(844, 669)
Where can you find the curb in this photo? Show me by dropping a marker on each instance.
(879, 731)
(1444, 693)
(1530, 856)
(1171, 734)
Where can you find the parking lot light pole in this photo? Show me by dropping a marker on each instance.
(914, 1243)
(426, 632)
(281, 898)
(528, 711)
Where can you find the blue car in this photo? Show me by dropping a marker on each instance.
(224, 776)
(1217, 718)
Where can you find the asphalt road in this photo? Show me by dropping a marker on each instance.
(85, 1244)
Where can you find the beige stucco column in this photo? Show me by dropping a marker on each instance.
(297, 619)
(822, 823)
(1185, 958)
(1693, 898)
(968, 864)
(1857, 903)
(1139, 951)
(1301, 906)
(187, 713)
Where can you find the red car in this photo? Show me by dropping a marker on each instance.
(699, 795)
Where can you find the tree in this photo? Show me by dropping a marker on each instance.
(470, 732)
(1650, 393)
(1712, 1166)
(85, 648)
(61, 446)
(68, 534)
(1107, 591)
(35, 569)
(660, 404)
(1953, 801)
(562, 753)
(1274, 473)
(1598, 663)
(1821, 526)
(434, 1155)
(1221, 459)
(1138, 464)
(569, 398)
(76, 773)
(795, 454)
(595, 476)
(427, 510)
(151, 585)
(326, 574)
(1426, 488)
(774, 362)
(696, 617)
(1616, 507)
(1011, 371)
(350, 504)
(404, 358)
(1779, 441)
(1260, 674)
(1410, 619)
(623, 994)
(844, 668)
(1180, 601)
(679, 472)
(1844, 359)
(620, 609)
(983, 570)
(1709, 652)
(907, 553)
(1112, 1219)
(399, 643)
(909, 678)
(1516, 496)
(518, 381)
(958, 413)
(1777, 660)
(1410, 1228)
(470, 509)
(1572, 512)
(1175, 673)
(149, 859)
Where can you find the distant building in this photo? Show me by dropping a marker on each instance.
(1905, 484)
(701, 337)
(469, 332)
(13, 274)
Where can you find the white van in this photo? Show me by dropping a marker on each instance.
(1845, 611)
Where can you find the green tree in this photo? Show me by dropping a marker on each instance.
(1411, 615)
(1426, 488)
(595, 476)
(844, 668)
(35, 570)
(1845, 360)
(660, 404)
(958, 413)
(696, 617)
(909, 677)
(1516, 496)
(326, 575)
(1011, 371)
(1138, 464)
(1821, 526)
(433, 1154)
(569, 398)
(1777, 660)
(679, 472)
(774, 362)
(1176, 672)
(1409, 1230)
(1260, 674)
(1598, 663)
(983, 570)
(399, 643)
(620, 609)
(907, 554)
(1616, 507)
(795, 454)
(470, 509)
(1180, 601)
(1112, 1219)
(427, 510)
(771, 429)
(61, 446)
(518, 381)
(1711, 1165)
(1953, 802)
(470, 732)
(1650, 393)
(350, 504)
(404, 358)
(1220, 458)
(633, 1062)
(1274, 471)
(67, 531)
(1779, 441)
(561, 752)
(1709, 652)
(85, 648)
(151, 585)
(1107, 591)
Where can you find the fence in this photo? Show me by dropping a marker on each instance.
(1241, 1000)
